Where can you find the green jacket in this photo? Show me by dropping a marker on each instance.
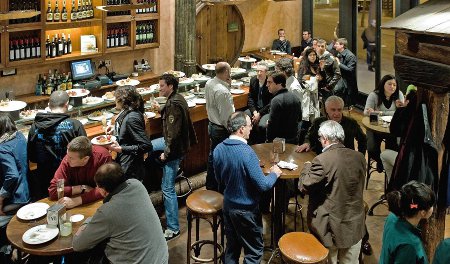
(401, 243)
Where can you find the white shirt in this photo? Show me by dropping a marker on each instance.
(219, 102)
(238, 138)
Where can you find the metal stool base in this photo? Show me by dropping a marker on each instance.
(199, 244)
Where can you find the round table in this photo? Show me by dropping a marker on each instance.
(264, 152)
(58, 246)
(379, 129)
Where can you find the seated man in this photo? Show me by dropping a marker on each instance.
(307, 40)
(127, 221)
(48, 138)
(259, 103)
(281, 43)
(77, 169)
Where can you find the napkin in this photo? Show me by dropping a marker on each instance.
(287, 165)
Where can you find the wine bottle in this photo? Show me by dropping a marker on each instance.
(37, 44)
(64, 12)
(83, 8)
(69, 82)
(32, 49)
(91, 9)
(56, 13)
(73, 12)
(64, 44)
(69, 44)
(12, 56)
(27, 49)
(16, 50)
(49, 12)
(53, 49)
(38, 87)
(47, 47)
(79, 11)
(60, 50)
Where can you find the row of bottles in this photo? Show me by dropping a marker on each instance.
(118, 2)
(58, 47)
(84, 10)
(145, 32)
(149, 9)
(20, 5)
(54, 81)
(24, 48)
(117, 36)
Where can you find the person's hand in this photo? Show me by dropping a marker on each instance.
(115, 147)
(319, 77)
(322, 64)
(109, 129)
(256, 117)
(162, 157)
(70, 202)
(303, 148)
(1, 212)
(399, 103)
(370, 110)
(275, 169)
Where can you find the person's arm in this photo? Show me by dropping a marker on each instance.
(80, 131)
(288, 47)
(174, 124)
(225, 106)
(311, 176)
(61, 173)
(136, 126)
(336, 75)
(371, 103)
(350, 67)
(361, 139)
(262, 182)
(91, 234)
(251, 104)
(31, 145)
(10, 177)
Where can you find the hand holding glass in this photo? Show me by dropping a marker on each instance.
(60, 188)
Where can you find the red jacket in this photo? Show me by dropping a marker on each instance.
(80, 176)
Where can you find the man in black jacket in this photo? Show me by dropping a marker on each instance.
(48, 138)
(259, 103)
(347, 87)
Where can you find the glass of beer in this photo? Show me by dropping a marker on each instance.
(60, 188)
(65, 225)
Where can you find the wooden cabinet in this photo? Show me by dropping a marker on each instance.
(137, 24)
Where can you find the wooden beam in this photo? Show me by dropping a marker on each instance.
(425, 47)
(19, 14)
(115, 8)
(422, 73)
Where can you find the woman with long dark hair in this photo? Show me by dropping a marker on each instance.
(384, 100)
(401, 237)
(132, 142)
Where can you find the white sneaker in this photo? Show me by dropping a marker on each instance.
(169, 234)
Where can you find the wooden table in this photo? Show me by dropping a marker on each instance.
(59, 246)
(263, 151)
(378, 129)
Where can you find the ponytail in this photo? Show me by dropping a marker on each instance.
(412, 198)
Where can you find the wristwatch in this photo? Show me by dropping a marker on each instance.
(83, 188)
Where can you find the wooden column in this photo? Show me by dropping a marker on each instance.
(189, 60)
(348, 28)
(179, 35)
(307, 16)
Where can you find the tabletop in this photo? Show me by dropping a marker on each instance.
(59, 246)
(263, 151)
(375, 128)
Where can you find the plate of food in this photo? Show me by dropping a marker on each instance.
(200, 77)
(92, 100)
(128, 81)
(40, 234)
(98, 115)
(109, 96)
(199, 101)
(237, 70)
(177, 74)
(237, 91)
(191, 104)
(150, 114)
(236, 83)
(103, 140)
(247, 59)
(9, 106)
(155, 87)
(77, 92)
(83, 121)
(209, 67)
(146, 90)
(161, 99)
(185, 80)
(32, 211)
(29, 114)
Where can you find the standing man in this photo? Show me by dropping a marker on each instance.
(48, 138)
(127, 221)
(347, 87)
(242, 181)
(259, 103)
(77, 169)
(285, 110)
(329, 70)
(334, 181)
(307, 41)
(179, 136)
(281, 43)
(219, 106)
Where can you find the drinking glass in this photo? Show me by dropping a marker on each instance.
(65, 225)
(274, 158)
(60, 188)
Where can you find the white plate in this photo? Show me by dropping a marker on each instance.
(155, 87)
(244, 59)
(31, 114)
(209, 67)
(108, 115)
(387, 119)
(78, 92)
(130, 82)
(108, 99)
(236, 83)
(12, 106)
(281, 53)
(188, 97)
(191, 104)
(83, 121)
(32, 211)
(188, 80)
(177, 74)
(40, 234)
(237, 91)
(150, 114)
(47, 109)
(199, 77)
(237, 70)
(76, 218)
(96, 142)
(92, 100)
(274, 51)
(146, 90)
(199, 101)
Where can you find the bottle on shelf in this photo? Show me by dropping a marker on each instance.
(47, 47)
(73, 12)
(38, 87)
(32, 49)
(64, 12)
(56, 13)
(16, 50)
(21, 49)
(53, 50)
(69, 81)
(83, 8)
(91, 9)
(79, 11)
(49, 12)
(64, 44)
(37, 45)
(69, 44)
(60, 46)
(12, 52)
(27, 49)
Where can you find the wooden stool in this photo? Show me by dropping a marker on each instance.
(300, 247)
(204, 204)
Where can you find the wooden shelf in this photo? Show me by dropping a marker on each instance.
(24, 27)
(118, 19)
(76, 55)
(148, 16)
(115, 8)
(147, 45)
(19, 63)
(75, 24)
(118, 49)
(19, 14)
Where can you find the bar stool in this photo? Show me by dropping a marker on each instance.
(371, 168)
(302, 248)
(204, 204)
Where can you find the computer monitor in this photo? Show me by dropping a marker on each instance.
(81, 70)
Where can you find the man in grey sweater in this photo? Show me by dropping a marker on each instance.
(127, 221)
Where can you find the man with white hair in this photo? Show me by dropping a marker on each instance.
(334, 181)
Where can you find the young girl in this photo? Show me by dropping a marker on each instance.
(401, 237)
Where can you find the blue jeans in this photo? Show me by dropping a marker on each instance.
(170, 169)
(243, 229)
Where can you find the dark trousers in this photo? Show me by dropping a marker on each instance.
(374, 144)
(243, 229)
(217, 134)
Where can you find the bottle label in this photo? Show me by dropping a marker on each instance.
(56, 16)
(91, 13)
(27, 53)
(33, 52)
(50, 17)
(38, 51)
(64, 16)
(11, 55)
(69, 85)
(73, 16)
(22, 53)
(70, 47)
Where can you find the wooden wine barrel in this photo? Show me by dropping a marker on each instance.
(220, 33)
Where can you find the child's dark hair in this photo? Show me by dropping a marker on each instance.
(412, 198)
